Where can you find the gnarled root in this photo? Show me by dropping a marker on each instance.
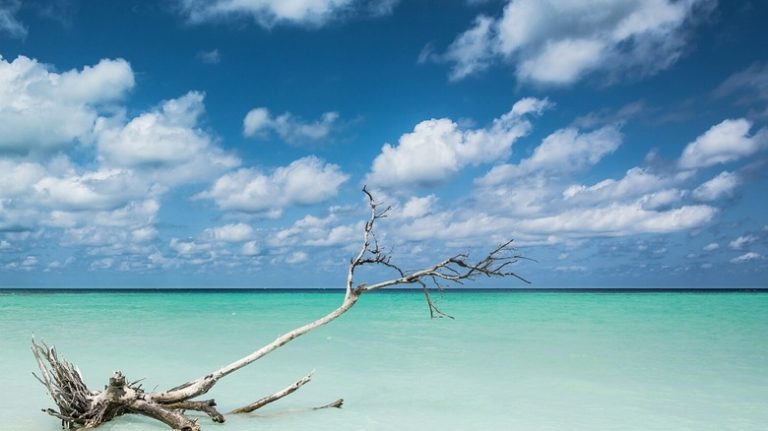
(79, 407)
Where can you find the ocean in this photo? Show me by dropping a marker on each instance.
(509, 360)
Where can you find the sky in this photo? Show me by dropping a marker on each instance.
(224, 143)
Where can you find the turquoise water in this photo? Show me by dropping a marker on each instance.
(510, 361)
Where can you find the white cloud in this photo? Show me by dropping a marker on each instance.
(620, 219)
(560, 41)
(303, 182)
(235, 232)
(120, 228)
(102, 264)
(562, 225)
(99, 190)
(9, 24)
(417, 207)
(319, 232)
(563, 61)
(29, 261)
(17, 178)
(55, 194)
(338, 235)
(661, 199)
(291, 129)
(473, 50)
(564, 151)
(143, 234)
(166, 143)
(250, 248)
(307, 227)
(711, 246)
(438, 148)
(58, 264)
(572, 268)
(268, 13)
(186, 248)
(747, 257)
(721, 186)
(722, 143)
(525, 196)
(41, 110)
(106, 197)
(296, 257)
(636, 181)
(742, 241)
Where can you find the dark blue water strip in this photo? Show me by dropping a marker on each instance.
(29, 290)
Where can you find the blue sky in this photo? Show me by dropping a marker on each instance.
(224, 143)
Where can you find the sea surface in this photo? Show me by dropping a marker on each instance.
(509, 360)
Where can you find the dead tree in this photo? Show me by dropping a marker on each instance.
(81, 407)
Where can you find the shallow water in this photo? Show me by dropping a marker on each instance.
(510, 361)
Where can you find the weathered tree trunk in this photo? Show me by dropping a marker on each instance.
(80, 407)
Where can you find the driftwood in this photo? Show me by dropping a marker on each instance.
(80, 407)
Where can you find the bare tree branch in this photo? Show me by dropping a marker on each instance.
(334, 405)
(80, 407)
(276, 396)
(208, 407)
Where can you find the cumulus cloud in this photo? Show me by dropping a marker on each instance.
(166, 142)
(558, 41)
(473, 51)
(313, 231)
(721, 186)
(59, 194)
(417, 206)
(250, 248)
(637, 181)
(102, 264)
(303, 182)
(42, 110)
(296, 257)
(84, 175)
(143, 234)
(438, 148)
(742, 241)
(712, 246)
(269, 13)
(9, 24)
(235, 232)
(611, 220)
(185, 248)
(259, 121)
(98, 190)
(621, 219)
(135, 163)
(725, 142)
(564, 151)
(747, 257)
(132, 223)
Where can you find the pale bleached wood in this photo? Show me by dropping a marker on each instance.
(282, 393)
(82, 408)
